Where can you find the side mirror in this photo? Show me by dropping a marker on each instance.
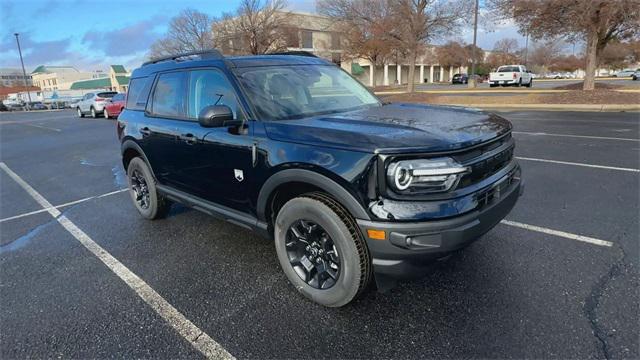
(215, 116)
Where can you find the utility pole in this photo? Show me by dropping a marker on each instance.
(526, 48)
(472, 80)
(24, 73)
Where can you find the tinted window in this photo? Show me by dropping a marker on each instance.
(88, 96)
(106, 94)
(118, 97)
(210, 87)
(138, 93)
(168, 96)
(508, 69)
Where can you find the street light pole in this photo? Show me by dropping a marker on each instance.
(24, 73)
(473, 79)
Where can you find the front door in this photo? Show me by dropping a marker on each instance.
(216, 162)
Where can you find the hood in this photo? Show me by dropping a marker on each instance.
(393, 128)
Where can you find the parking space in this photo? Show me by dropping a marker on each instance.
(537, 84)
(518, 292)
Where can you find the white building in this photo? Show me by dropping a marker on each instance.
(13, 77)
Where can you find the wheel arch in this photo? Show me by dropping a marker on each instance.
(298, 181)
(131, 149)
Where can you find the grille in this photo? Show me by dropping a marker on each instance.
(486, 160)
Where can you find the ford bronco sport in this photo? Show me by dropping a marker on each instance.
(290, 146)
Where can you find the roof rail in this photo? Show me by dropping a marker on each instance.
(213, 53)
(294, 52)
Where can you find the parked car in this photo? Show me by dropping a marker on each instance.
(460, 79)
(635, 75)
(625, 73)
(37, 105)
(554, 75)
(348, 187)
(507, 75)
(114, 106)
(15, 106)
(93, 103)
(3, 107)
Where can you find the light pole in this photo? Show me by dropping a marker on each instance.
(473, 79)
(24, 73)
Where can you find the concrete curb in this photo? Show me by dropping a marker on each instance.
(553, 107)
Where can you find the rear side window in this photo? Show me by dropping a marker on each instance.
(118, 97)
(138, 93)
(169, 95)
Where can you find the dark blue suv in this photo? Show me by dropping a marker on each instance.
(290, 146)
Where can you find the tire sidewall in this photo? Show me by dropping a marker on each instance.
(348, 283)
(139, 164)
(106, 113)
(93, 113)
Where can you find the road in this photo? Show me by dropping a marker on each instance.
(536, 85)
(538, 286)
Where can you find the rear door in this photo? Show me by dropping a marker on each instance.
(164, 113)
(86, 100)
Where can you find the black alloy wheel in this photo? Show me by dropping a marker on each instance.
(312, 254)
(140, 189)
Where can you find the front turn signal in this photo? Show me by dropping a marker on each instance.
(376, 234)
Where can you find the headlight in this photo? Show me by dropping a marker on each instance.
(425, 175)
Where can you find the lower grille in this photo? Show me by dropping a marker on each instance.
(487, 197)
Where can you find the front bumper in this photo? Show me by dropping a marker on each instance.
(409, 247)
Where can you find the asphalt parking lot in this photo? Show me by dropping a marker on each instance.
(537, 84)
(560, 279)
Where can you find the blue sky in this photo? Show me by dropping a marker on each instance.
(93, 34)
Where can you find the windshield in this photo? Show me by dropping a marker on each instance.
(291, 92)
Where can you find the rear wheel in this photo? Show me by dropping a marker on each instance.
(93, 113)
(321, 250)
(142, 188)
(80, 114)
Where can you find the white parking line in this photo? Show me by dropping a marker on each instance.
(196, 337)
(43, 127)
(579, 164)
(62, 205)
(574, 136)
(559, 233)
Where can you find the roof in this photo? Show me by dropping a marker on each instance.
(118, 69)
(122, 80)
(91, 84)
(49, 69)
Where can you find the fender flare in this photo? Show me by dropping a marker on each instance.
(131, 144)
(313, 178)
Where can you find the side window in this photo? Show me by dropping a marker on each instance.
(210, 87)
(169, 95)
(138, 93)
(88, 96)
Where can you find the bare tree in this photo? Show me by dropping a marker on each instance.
(544, 54)
(453, 53)
(505, 51)
(597, 22)
(364, 27)
(421, 21)
(189, 31)
(415, 22)
(256, 27)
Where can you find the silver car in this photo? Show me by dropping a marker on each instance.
(93, 103)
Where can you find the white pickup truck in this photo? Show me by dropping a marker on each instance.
(517, 75)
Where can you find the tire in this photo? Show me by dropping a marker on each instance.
(105, 113)
(142, 186)
(492, 85)
(80, 114)
(519, 83)
(352, 260)
(93, 113)
(530, 84)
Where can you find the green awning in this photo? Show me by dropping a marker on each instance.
(356, 69)
(91, 84)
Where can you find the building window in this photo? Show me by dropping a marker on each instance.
(335, 41)
(293, 38)
(307, 39)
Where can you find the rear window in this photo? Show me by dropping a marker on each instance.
(138, 93)
(508, 69)
(106, 94)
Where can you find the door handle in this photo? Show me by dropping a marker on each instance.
(188, 138)
(145, 131)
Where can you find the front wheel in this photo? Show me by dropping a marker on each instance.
(93, 113)
(142, 188)
(530, 84)
(321, 250)
(80, 114)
